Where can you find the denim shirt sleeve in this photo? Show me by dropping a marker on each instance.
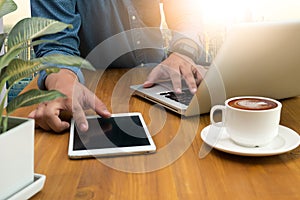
(64, 11)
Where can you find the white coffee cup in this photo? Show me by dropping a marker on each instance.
(250, 121)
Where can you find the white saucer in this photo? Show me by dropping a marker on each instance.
(218, 138)
(31, 189)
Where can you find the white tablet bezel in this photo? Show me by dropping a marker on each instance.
(104, 152)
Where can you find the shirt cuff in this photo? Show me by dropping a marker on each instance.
(189, 45)
(43, 75)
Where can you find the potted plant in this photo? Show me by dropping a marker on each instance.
(17, 134)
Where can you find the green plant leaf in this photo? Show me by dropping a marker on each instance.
(37, 42)
(2, 38)
(19, 69)
(16, 50)
(7, 6)
(9, 56)
(32, 97)
(31, 28)
(60, 59)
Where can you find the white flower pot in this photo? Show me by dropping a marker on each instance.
(16, 156)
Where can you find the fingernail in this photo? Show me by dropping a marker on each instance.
(194, 90)
(147, 84)
(83, 127)
(106, 112)
(178, 90)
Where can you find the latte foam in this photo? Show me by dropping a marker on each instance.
(252, 104)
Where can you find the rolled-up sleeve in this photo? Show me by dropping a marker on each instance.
(64, 11)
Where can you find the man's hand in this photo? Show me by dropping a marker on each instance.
(79, 98)
(175, 67)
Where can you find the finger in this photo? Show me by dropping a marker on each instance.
(93, 102)
(198, 77)
(32, 116)
(148, 84)
(52, 113)
(189, 73)
(101, 109)
(56, 124)
(154, 76)
(186, 69)
(171, 68)
(176, 80)
(86, 99)
(38, 116)
(47, 116)
(189, 77)
(79, 117)
(201, 71)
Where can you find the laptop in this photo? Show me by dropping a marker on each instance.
(256, 59)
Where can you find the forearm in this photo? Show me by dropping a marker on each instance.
(68, 40)
(184, 20)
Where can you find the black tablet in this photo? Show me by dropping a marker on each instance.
(121, 134)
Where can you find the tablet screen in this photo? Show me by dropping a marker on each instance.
(120, 134)
(108, 133)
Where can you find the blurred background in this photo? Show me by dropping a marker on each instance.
(217, 17)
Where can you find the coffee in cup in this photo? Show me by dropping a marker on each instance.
(252, 103)
(250, 121)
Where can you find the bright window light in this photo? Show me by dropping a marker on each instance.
(231, 11)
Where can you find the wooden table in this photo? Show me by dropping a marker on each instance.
(175, 171)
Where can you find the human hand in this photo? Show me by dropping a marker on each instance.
(175, 67)
(79, 98)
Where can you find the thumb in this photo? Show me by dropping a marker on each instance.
(32, 114)
(148, 84)
(153, 77)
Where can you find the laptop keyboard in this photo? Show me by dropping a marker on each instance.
(185, 97)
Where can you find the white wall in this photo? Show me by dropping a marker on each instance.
(22, 12)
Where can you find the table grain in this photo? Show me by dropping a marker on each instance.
(175, 171)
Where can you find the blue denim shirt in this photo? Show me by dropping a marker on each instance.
(109, 33)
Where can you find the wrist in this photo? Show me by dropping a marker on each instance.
(43, 76)
(186, 47)
(59, 78)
